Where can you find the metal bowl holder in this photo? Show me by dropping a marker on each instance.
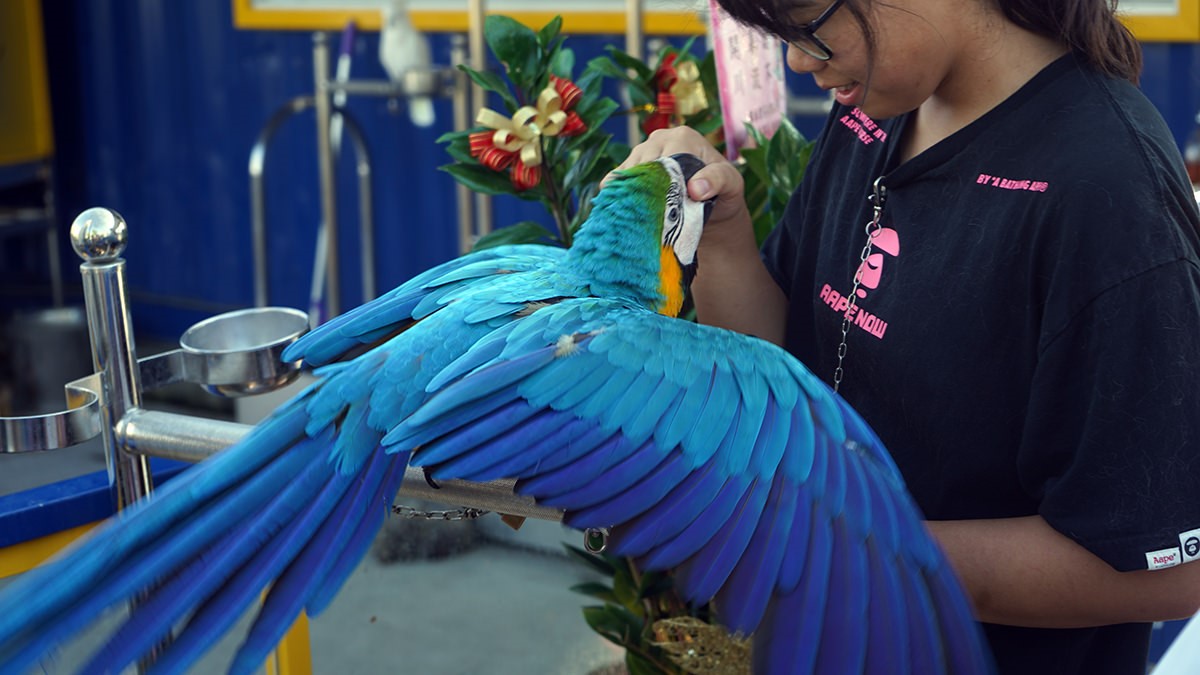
(232, 354)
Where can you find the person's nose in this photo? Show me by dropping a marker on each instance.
(800, 62)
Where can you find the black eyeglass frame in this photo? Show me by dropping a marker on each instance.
(807, 40)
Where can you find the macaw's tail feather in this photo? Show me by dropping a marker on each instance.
(84, 572)
(276, 511)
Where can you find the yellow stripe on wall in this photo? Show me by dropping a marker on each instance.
(1182, 27)
(247, 16)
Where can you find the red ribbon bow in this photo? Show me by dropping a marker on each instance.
(517, 141)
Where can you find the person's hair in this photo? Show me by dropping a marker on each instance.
(1089, 28)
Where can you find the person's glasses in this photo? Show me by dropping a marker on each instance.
(806, 39)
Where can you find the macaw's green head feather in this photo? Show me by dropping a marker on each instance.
(640, 240)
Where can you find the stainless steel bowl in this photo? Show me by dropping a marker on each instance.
(240, 353)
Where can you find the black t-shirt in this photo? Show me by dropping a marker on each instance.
(1025, 337)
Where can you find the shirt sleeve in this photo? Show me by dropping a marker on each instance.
(1112, 444)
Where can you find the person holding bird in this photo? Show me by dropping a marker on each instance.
(712, 455)
(1003, 277)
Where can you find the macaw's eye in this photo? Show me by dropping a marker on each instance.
(673, 214)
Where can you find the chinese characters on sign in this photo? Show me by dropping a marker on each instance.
(750, 77)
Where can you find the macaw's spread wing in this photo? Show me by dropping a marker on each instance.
(716, 455)
(425, 293)
(291, 508)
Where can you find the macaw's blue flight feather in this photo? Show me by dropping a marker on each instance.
(711, 454)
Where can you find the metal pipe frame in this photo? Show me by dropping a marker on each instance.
(193, 439)
(258, 202)
(634, 39)
(477, 53)
(462, 122)
(324, 109)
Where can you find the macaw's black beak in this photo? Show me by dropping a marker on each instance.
(689, 273)
(690, 165)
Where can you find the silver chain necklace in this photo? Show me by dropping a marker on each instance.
(878, 195)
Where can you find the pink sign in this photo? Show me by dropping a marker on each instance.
(749, 76)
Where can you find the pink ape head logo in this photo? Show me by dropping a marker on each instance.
(869, 272)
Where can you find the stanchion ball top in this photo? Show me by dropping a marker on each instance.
(99, 235)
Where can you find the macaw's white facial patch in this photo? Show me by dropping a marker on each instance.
(683, 220)
(1167, 557)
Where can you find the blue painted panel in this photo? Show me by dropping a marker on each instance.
(49, 509)
(1171, 79)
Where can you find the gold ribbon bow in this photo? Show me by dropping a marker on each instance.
(688, 90)
(522, 133)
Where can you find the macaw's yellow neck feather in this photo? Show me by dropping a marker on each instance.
(670, 282)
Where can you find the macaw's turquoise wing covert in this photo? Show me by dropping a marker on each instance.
(706, 452)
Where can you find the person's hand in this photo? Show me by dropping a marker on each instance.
(718, 178)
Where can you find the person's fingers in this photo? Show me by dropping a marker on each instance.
(720, 179)
(665, 142)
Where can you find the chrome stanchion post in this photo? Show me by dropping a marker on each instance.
(325, 169)
(99, 237)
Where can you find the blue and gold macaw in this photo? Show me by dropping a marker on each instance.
(707, 452)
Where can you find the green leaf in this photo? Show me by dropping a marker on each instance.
(780, 149)
(756, 135)
(607, 67)
(614, 623)
(627, 593)
(549, 32)
(450, 136)
(643, 71)
(757, 193)
(618, 151)
(596, 590)
(763, 226)
(594, 114)
(590, 82)
(799, 162)
(582, 163)
(562, 63)
(601, 620)
(524, 232)
(641, 94)
(756, 163)
(599, 563)
(637, 664)
(687, 46)
(481, 179)
(516, 46)
(492, 82)
(704, 123)
(460, 151)
(533, 194)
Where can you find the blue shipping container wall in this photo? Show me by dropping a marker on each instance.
(157, 105)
